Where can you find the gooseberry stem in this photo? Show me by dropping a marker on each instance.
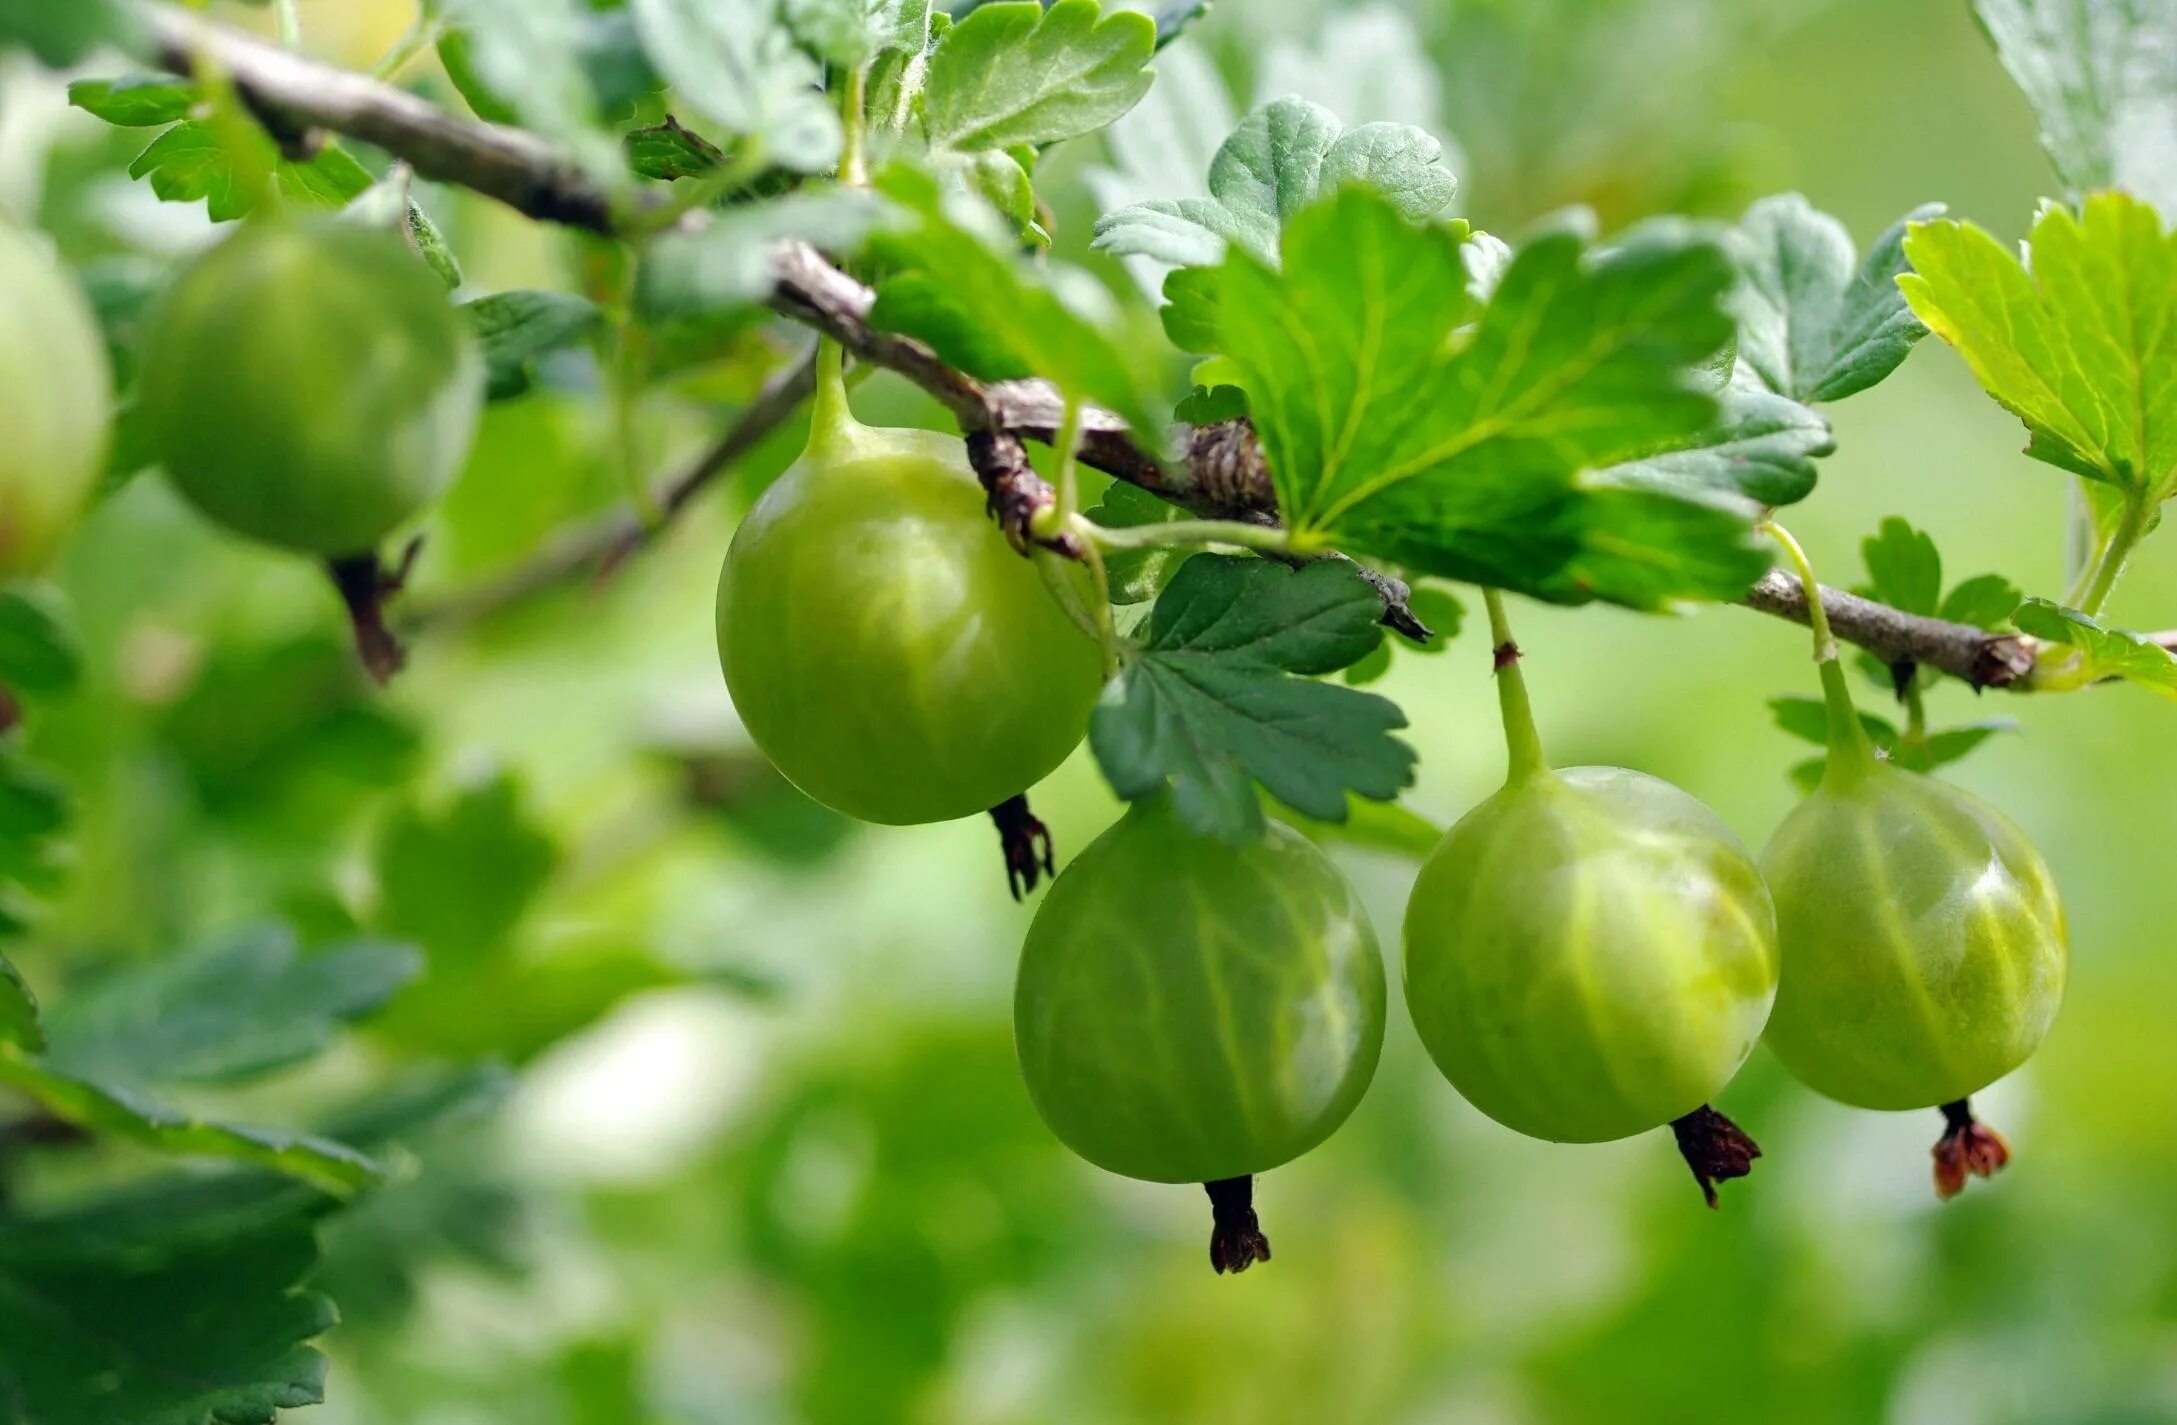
(2108, 564)
(853, 168)
(418, 37)
(290, 23)
(1851, 755)
(1066, 516)
(829, 413)
(1271, 539)
(1523, 744)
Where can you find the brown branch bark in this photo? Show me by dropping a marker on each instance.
(1222, 475)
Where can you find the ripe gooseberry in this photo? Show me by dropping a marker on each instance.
(1193, 1011)
(56, 405)
(1590, 953)
(310, 385)
(885, 647)
(1924, 944)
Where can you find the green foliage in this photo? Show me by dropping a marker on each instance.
(2101, 651)
(138, 101)
(851, 32)
(1280, 159)
(2101, 79)
(728, 263)
(953, 284)
(39, 655)
(1208, 704)
(193, 161)
(1812, 325)
(2082, 348)
(1136, 575)
(159, 1309)
(733, 61)
(1806, 719)
(67, 33)
(19, 1026)
(1463, 458)
(516, 328)
(1016, 73)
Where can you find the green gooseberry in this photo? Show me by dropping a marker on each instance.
(56, 405)
(310, 386)
(886, 648)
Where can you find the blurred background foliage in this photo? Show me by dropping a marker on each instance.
(759, 1152)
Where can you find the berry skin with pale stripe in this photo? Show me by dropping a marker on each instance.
(1590, 954)
(56, 405)
(1193, 1012)
(885, 647)
(1924, 945)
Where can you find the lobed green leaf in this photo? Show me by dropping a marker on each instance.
(516, 328)
(1015, 73)
(2103, 652)
(734, 62)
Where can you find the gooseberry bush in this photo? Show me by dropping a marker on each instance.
(1323, 420)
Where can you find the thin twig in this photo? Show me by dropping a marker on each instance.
(601, 547)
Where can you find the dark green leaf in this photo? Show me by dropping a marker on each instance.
(18, 1011)
(168, 1310)
(1808, 720)
(669, 151)
(1952, 743)
(1137, 575)
(1280, 159)
(851, 32)
(39, 657)
(139, 101)
(1209, 704)
(1386, 437)
(1985, 601)
(1761, 448)
(1903, 567)
(228, 1009)
(1015, 73)
(957, 286)
(1812, 326)
(522, 61)
(458, 880)
(1391, 827)
(191, 161)
(515, 328)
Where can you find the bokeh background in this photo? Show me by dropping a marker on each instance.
(764, 1157)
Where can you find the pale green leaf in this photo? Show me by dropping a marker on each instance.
(1282, 157)
(1015, 73)
(2102, 78)
(734, 62)
(2104, 652)
(2082, 348)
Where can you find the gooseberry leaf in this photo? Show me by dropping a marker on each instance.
(1807, 719)
(1136, 576)
(2104, 652)
(134, 1117)
(1390, 433)
(516, 328)
(728, 262)
(1813, 325)
(1391, 827)
(955, 283)
(733, 61)
(181, 1307)
(670, 151)
(1282, 157)
(19, 1025)
(851, 32)
(1761, 448)
(39, 655)
(192, 162)
(1984, 601)
(33, 813)
(527, 57)
(64, 34)
(458, 879)
(2082, 347)
(1209, 703)
(136, 101)
(232, 1008)
(1014, 73)
(1904, 569)
(2101, 76)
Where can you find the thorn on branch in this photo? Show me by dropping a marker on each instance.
(1968, 1147)
(1503, 656)
(1235, 1239)
(1902, 672)
(1715, 1148)
(1027, 845)
(1014, 495)
(366, 586)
